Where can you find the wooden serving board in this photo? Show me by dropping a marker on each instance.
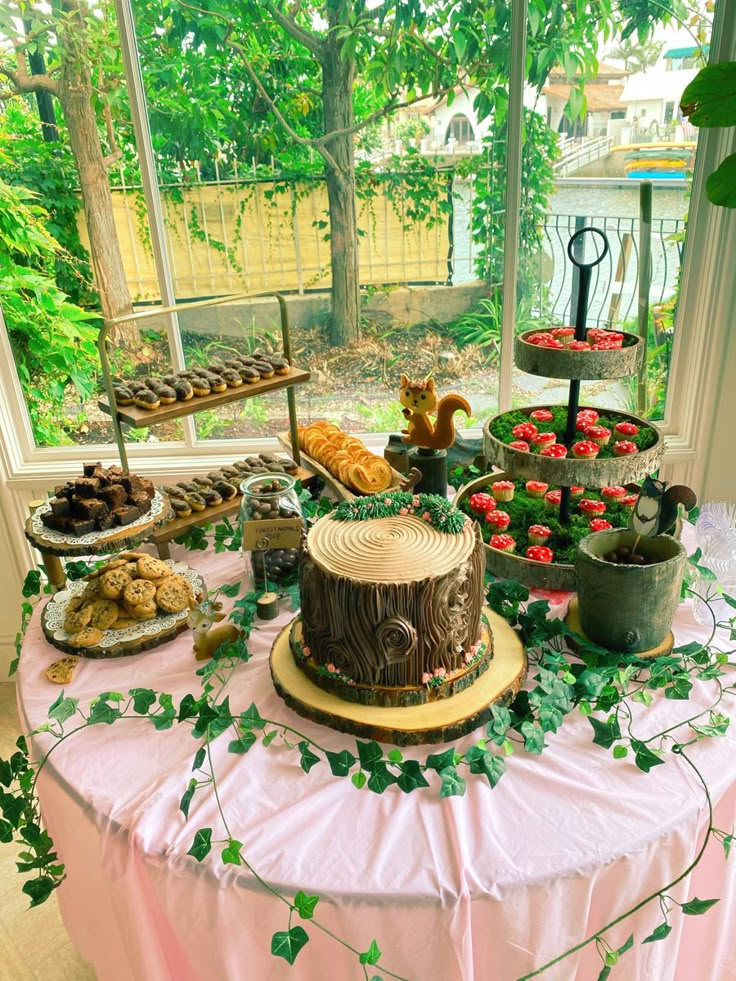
(158, 631)
(135, 416)
(179, 526)
(343, 492)
(116, 541)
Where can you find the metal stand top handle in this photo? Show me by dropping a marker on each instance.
(586, 269)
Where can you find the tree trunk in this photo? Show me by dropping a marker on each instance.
(337, 95)
(75, 96)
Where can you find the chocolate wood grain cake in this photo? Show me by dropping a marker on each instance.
(392, 598)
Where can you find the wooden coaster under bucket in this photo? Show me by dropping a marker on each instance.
(434, 722)
(573, 621)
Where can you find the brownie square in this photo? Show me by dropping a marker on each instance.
(55, 521)
(125, 514)
(86, 486)
(88, 469)
(148, 487)
(107, 521)
(81, 526)
(64, 490)
(60, 506)
(115, 474)
(89, 507)
(114, 496)
(141, 501)
(131, 483)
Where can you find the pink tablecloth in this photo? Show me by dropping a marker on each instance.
(479, 888)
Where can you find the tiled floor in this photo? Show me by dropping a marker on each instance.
(33, 943)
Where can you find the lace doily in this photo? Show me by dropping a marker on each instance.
(158, 506)
(55, 612)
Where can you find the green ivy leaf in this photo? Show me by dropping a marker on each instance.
(199, 758)
(643, 696)
(186, 799)
(372, 955)
(627, 945)
(453, 784)
(269, 737)
(308, 759)
(6, 831)
(39, 889)
(63, 708)
(411, 776)
(32, 586)
(440, 761)
(605, 973)
(251, 718)
(369, 754)
(485, 761)
(288, 943)
(533, 736)
(230, 589)
(380, 778)
(395, 756)
(103, 712)
(619, 752)
(305, 905)
(606, 733)
(659, 933)
(143, 699)
(202, 844)
(644, 757)
(727, 839)
(231, 852)
(696, 907)
(359, 779)
(340, 763)
(243, 743)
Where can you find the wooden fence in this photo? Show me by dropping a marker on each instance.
(229, 236)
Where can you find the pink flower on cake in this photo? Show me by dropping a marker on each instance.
(387, 500)
(404, 511)
(331, 668)
(415, 501)
(440, 672)
(468, 657)
(426, 516)
(306, 651)
(426, 678)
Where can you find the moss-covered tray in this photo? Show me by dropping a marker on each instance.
(591, 365)
(525, 511)
(605, 470)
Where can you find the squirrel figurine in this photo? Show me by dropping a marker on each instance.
(420, 400)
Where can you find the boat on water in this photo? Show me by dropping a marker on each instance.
(658, 161)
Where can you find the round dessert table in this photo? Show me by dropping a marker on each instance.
(484, 887)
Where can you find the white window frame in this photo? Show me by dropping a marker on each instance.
(704, 319)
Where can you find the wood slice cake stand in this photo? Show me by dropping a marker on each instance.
(114, 540)
(442, 720)
(133, 640)
(573, 621)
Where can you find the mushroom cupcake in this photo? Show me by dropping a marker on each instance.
(536, 488)
(482, 503)
(498, 520)
(553, 498)
(613, 495)
(519, 445)
(540, 553)
(541, 415)
(598, 434)
(503, 543)
(600, 524)
(625, 447)
(586, 449)
(557, 451)
(541, 440)
(503, 490)
(624, 431)
(539, 534)
(524, 430)
(591, 507)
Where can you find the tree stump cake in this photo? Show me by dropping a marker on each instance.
(392, 605)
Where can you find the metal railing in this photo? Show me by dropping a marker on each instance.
(614, 286)
(576, 154)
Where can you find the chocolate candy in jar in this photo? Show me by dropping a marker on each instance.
(270, 500)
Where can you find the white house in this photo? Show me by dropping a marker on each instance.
(652, 98)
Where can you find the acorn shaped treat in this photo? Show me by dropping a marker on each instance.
(123, 395)
(226, 490)
(203, 482)
(233, 363)
(250, 375)
(187, 374)
(146, 399)
(183, 389)
(215, 475)
(200, 386)
(217, 383)
(171, 491)
(281, 366)
(230, 472)
(196, 501)
(136, 385)
(264, 369)
(166, 394)
(180, 507)
(232, 378)
(170, 380)
(210, 496)
(188, 486)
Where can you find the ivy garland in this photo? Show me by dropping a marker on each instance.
(595, 684)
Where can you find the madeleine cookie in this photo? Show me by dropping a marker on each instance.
(78, 619)
(138, 593)
(86, 637)
(142, 611)
(62, 671)
(113, 583)
(172, 596)
(104, 614)
(150, 567)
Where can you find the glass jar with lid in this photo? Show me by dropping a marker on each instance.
(271, 521)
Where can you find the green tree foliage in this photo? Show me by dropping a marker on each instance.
(53, 340)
